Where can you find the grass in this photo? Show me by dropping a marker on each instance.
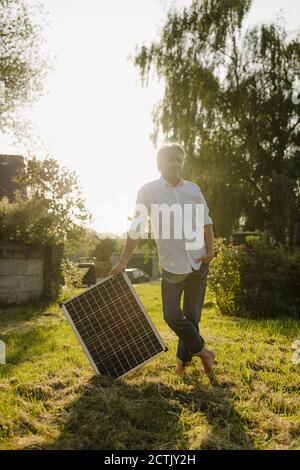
(51, 399)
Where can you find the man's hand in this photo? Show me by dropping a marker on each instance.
(115, 270)
(207, 259)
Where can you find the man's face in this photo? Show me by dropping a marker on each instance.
(171, 164)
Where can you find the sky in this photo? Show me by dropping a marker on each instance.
(96, 117)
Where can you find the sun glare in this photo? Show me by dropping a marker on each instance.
(96, 118)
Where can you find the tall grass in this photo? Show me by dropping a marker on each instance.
(51, 399)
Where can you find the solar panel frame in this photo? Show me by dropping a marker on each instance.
(142, 307)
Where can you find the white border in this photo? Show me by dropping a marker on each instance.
(64, 308)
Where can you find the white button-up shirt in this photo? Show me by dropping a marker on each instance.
(173, 254)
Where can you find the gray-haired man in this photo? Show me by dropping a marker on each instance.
(184, 264)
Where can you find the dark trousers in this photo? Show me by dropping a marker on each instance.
(185, 322)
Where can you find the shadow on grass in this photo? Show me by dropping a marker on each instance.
(24, 312)
(118, 415)
(226, 429)
(27, 345)
(28, 333)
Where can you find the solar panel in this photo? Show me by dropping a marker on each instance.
(113, 327)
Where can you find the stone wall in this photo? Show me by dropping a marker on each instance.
(28, 272)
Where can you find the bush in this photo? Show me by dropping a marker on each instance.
(103, 268)
(72, 277)
(256, 279)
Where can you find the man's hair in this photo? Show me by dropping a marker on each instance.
(166, 148)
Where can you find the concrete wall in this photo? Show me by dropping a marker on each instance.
(28, 272)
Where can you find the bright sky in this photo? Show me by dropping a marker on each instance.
(96, 118)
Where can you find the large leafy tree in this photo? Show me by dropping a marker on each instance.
(23, 63)
(85, 245)
(104, 249)
(53, 211)
(228, 100)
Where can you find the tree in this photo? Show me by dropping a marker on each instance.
(54, 210)
(84, 247)
(228, 100)
(102, 252)
(104, 249)
(269, 123)
(22, 64)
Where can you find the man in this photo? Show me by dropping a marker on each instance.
(184, 264)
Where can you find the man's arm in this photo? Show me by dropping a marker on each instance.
(209, 244)
(208, 231)
(130, 246)
(209, 239)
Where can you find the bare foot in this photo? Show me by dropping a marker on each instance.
(180, 368)
(207, 357)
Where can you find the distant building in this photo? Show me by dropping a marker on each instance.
(10, 165)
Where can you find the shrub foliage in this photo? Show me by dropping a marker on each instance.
(256, 279)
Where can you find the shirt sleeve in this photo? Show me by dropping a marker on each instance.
(139, 222)
(207, 218)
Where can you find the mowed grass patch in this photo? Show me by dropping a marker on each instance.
(50, 397)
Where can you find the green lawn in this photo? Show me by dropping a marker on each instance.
(51, 399)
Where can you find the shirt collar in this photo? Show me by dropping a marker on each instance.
(165, 183)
